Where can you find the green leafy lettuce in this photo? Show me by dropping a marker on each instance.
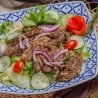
(51, 76)
(5, 26)
(85, 53)
(28, 68)
(38, 17)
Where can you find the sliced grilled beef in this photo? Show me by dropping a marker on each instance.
(72, 69)
(14, 48)
(49, 44)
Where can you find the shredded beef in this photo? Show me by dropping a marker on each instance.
(27, 54)
(50, 44)
(14, 48)
(72, 69)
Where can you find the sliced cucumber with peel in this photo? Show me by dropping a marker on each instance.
(65, 18)
(20, 80)
(79, 40)
(4, 63)
(12, 35)
(39, 81)
(53, 13)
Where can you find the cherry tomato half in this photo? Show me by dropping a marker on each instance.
(77, 25)
(71, 44)
(18, 66)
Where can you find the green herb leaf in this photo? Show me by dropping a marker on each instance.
(66, 60)
(29, 64)
(38, 17)
(27, 22)
(28, 68)
(49, 19)
(5, 26)
(14, 59)
(85, 53)
(51, 76)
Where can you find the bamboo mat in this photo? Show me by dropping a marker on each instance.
(53, 94)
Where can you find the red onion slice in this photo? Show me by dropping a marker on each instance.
(34, 53)
(25, 37)
(59, 53)
(21, 45)
(49, 28)
(25, 43)
(42, 34)
(44, 54)
(34, 56)
(59, 64)
(46, 62)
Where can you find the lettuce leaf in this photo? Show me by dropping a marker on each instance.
(38, 17)
(85, 53)
(5, 27)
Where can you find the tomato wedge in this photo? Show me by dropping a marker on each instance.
(71, 44)
(18, 66)
(77, 25)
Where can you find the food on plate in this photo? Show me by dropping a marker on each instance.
(42, 48)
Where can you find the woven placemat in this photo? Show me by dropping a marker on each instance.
(53, 94)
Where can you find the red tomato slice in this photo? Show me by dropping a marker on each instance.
(77, 25)
(18, 66)
(71, 44)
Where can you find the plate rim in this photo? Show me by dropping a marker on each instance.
(81, 82)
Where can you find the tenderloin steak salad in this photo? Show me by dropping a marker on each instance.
(44, 47)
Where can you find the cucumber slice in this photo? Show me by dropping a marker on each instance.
(12, 35)
(65, 18)
(39, 81)
(20, 80)
(3, 46)
(4, 63)
(79, 39)
(53, 13)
